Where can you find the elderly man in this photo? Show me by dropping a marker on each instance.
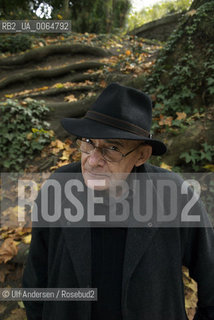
(137, 271)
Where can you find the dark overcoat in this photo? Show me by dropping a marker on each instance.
(152, 286)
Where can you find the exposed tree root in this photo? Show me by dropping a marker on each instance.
(57, 91)
(42, 52)
(44, 74)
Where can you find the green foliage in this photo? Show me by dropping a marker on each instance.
(157, 11)
(198, 158)
(22, 132)
(16, 9)
(183, 76)
(15, 43)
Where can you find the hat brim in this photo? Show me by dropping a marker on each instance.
(87, 128)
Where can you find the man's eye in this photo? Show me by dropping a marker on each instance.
(113, 148)
(88, 141)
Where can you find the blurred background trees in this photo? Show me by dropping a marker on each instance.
(96, 16)
(93, 16)
(157, 11)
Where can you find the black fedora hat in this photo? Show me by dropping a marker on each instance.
(119, 112)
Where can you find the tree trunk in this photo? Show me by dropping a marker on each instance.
(66, 10)
(197, 3)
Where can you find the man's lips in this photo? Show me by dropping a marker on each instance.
(96, 174)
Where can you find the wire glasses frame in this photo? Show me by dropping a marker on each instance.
(110, 155)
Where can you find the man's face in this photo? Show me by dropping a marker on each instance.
(96, 169)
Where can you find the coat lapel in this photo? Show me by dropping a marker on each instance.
(137, 242)
(78, 241)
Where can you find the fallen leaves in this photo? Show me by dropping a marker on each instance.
(21, 304)
(209, 167)
(70, 98)
(90, 71)
(27, 239)
(142, 56)
(7, 250)
(17, 314)
(190, 290)
(68, 152)
(103, 84)
(9, 95)
(4, 271)
(165, 120)
(58, 85)
(26, 92)
(166, 166)
(2, 307)
(10, 215)
(57, 145)
(16, 234)
(181, 115)
(128, 52)
(135, 57)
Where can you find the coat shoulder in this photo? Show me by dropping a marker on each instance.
(160, 172)
(151, 168)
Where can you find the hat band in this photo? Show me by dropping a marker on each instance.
(117, 123)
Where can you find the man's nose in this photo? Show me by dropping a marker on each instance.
(95, 157)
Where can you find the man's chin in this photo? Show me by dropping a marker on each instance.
(96, 182)
(93, 184)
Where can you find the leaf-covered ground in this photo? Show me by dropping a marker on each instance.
(126, 55)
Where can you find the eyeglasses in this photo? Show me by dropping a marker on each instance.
(109, 154)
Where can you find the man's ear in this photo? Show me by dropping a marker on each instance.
(145, 152)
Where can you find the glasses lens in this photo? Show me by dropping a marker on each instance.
(108, 154)
(84, 146)
(111, 155)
